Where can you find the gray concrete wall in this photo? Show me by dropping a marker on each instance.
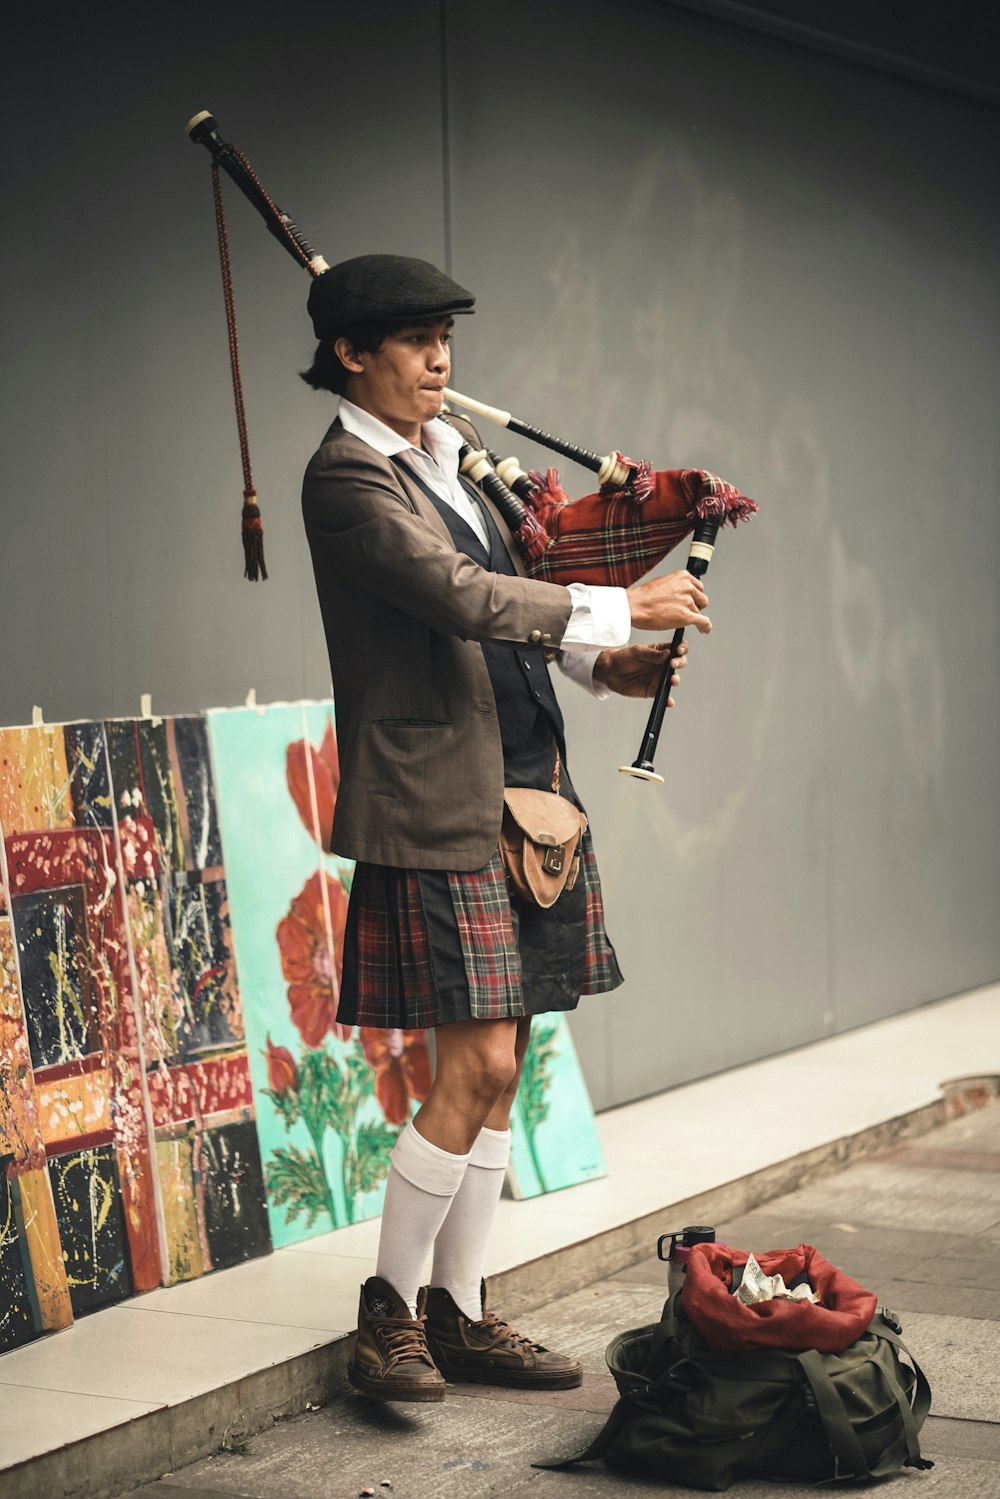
(692, 242)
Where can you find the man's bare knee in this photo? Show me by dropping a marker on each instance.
(478, 1061)
(485, 1076)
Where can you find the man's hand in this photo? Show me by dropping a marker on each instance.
(667, 602)
(634, 670)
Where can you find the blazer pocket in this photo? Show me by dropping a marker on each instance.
(413, 723)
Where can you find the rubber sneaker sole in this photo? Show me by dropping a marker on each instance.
(512, 1379)
(381, 1389)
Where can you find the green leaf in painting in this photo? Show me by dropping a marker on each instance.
(296, 1181)
(285, 1104)
(373, 1143)
(535, 1079)
(532, 1103)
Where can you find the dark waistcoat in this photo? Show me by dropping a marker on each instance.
(521, 686)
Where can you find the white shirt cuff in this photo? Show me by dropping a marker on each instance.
(578, 665)
(601, 617)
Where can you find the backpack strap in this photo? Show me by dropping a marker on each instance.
(840, 1433)
(884, 1326)
(842, 1437)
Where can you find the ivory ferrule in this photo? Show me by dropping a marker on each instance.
(613, 471)
(492, 413)
(510, 471)
(476, 465)
(638, 774)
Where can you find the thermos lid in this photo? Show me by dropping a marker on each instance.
(683, 1238)
(699, 1234)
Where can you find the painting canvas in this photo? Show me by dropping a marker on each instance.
(71, 952)
(198, 1088)
(34, 1292)
(122, 1056)
(555, 1143)
(330, 1102)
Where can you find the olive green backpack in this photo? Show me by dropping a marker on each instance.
(696, 1416)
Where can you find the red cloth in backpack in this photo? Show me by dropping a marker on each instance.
(842, 1316)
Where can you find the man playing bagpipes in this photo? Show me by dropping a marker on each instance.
(438, 640)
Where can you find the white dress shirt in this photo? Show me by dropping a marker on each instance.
(600, 617)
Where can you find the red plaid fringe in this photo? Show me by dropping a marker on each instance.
(617, 536)
(394, 966)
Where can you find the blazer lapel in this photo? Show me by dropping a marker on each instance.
(422, 505)
(418, 500)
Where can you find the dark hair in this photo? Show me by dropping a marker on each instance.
(327, 372)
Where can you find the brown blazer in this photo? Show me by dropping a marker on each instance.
(420, 755)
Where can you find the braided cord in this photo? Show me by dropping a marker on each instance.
(253, 531)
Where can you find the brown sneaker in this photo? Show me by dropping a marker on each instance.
(489, 1351)
(391, 1359)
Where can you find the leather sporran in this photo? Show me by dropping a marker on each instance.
(540, 843)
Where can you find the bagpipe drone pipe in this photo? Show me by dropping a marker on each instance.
(612, 537)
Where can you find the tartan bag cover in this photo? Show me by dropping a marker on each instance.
(618, 535)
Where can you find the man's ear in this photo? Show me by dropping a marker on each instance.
(348, 356)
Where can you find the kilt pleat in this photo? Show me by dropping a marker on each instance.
(485, 925)
(600, 971)
(400, 971)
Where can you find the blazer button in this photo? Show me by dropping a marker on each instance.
(536, 637)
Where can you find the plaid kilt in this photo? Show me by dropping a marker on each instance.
(392, 951)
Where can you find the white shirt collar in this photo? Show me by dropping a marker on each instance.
(441, 441)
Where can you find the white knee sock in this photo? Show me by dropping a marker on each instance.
(423, 1180)
(460, 1247)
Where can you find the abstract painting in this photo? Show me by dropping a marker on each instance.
(34, 1294)
(70, 941)
(122, 1056)
(335, 1101)
(199, 1095)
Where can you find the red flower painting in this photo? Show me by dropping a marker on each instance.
(321, 767)
(402, 1067)
(282, 1073)
(309, 964)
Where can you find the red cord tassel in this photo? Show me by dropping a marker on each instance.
(253, 540)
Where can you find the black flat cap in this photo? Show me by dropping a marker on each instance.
(376, 288)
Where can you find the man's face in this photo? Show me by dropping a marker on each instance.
(402, 382)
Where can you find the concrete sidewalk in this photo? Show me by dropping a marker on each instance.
(919, 1224)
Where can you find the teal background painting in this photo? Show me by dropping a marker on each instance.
(554, 1142)
(324, 1137)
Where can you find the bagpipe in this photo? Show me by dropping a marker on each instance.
(612, 537)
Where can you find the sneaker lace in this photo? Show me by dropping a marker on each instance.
(503, 1333)
(404, 1338)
